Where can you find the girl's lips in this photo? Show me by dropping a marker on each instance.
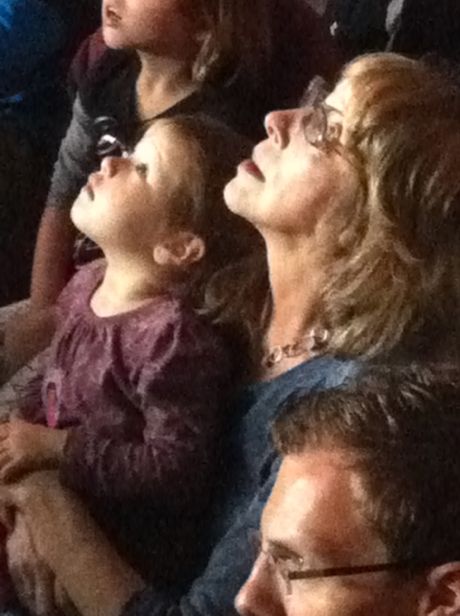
(250, 167)
(89, 188)
(89, 192)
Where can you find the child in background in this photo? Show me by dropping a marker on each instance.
(134, 388)
(165, 58)
(169, 57)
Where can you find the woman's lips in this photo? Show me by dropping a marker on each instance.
(250, 167)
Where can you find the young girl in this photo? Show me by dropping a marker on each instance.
(134, 386)
(168, 57)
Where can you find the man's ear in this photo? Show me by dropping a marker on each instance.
(180, 249)
(442, 596)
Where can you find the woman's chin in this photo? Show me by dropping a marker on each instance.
(233, 198)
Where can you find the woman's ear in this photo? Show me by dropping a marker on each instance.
(179, 250)
(442, 597)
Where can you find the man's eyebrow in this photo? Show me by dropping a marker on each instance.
(279, 548)
(324, 550)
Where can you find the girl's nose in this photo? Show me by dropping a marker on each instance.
(278, 125)
(109, 165)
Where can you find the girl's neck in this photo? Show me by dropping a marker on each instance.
(128, 284)
(162, 83)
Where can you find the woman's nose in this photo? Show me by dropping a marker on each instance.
(109, 165)
(259, 595)
(278, 125)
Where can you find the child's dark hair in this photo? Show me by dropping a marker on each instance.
(234, 264)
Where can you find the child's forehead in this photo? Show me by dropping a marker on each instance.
(157, 138)
(150, 146)
(148, 138)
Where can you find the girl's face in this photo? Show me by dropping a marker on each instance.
(127, 204)
(162, 27)
(299, 171)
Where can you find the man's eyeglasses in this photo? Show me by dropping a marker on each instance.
(291, 568)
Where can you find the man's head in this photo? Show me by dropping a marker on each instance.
(364, 518)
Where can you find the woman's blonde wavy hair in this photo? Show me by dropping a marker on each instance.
(393, 278)
(236, 38)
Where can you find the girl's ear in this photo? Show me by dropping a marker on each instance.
(442, 596)
(179, 250)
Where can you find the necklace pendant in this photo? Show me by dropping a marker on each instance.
(274, 356)
(313, 343)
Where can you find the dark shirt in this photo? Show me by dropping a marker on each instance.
(428, 27)
(359, 25)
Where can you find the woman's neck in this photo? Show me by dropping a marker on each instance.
(128, 284)
(295, 287)
(162, 82)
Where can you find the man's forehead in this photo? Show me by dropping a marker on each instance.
(317, 504)
(310, 481)
(322, 469)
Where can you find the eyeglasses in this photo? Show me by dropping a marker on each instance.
(291, 568)
(318, 130)
(108, 144)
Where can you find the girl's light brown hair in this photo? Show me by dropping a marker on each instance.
(219, 284)
(236, 37)
(394, 273)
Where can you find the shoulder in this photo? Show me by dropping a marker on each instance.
(81, 286)
(312, 375)
(167, 336)
(337, 371)
(87, 58)
(89, 272)
(171, 329)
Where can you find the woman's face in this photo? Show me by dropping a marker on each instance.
(292, 180)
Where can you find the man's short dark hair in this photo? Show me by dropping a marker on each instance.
(402, 428)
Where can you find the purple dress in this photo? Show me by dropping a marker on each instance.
(143, 394)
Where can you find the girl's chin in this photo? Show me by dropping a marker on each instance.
(77, 216)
